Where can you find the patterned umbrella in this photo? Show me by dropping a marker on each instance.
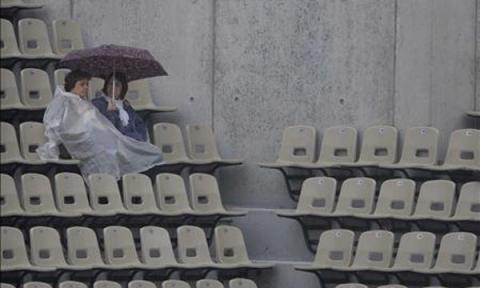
(104, 60)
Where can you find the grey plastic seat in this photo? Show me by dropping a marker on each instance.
(335, 250)
(379, 146)
(356, 197)
(106, 284)
(71, 194)
(209, 283)
(206, 198)
(435, 200)
(10, 203)
(156, 248)
(202, 148)
(32, 135)
(463, 152)
(138, 195)
(9, 49)
(36, 284)
(168, 137)
(46, 249)
(95, 86)
(5, 285)
(36, 91)
(119, 248)
(396, 198)
(468, 204)
(141, 284)
(456, 253)
(33, 39)
(193, 251)
(67, 36)
(9, 95)
(420, 148)
(175, 284)
(72, 284)
(415, 252)
(14, 256)
(10, 152)
(83, 248)
(339, 147)
(374, 250)
(231, 250)
(139, 96)
(37, 196)
(351, 285)
(59, 76)
(297, 147)
(241, 283)
(172, 195)
(104, 193)
(317, 197)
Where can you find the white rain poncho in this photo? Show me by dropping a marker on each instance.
(91, 138)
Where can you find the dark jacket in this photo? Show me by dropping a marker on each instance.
(135, 128)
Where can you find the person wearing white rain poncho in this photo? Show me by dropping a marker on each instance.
(70, 119)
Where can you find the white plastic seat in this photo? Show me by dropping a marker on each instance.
(175, 284)
(59, 77)
(33, 39)
(71, 194)
(9, 95)
(202, 148)
(32, 135)
(356, 197)
(139, 96)
(67, 36)
(172, 195)
(396, 198)
(10, 149)
(37, 196)
(106, 284)
(46, 249)
(156, 248)
(119, 248)
(36, 91)
(231, 250)
(297, 147)
(72, 284)
(193, 251)
(9, 46)
(83, 248)
(374, 250)
(241, 283)
(415, 252)
(104, 193)
(36, 284)
(456, 253)
(468, 204)
(435, 200)
(138, 195)
(209, 283)
(141, 284)
(10, 203)
(206, 198)
(168, 137)
(463, 152)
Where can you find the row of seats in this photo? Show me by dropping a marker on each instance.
(156, 253)
(379, 149)
(34, 41)
(374, 255)
(27, 4)
(70, 201)
(36, 92)
(167, 136)
(204, 283)
(397, 199)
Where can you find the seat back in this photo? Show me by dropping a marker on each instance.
(209, 283)
(33, 37)
(230, 246)
(71, 193)
(298, 144)
(105, 194)
(156, 247)
(415, 251)
(59, 76)
(141, 284)
(36, 89)
(14, 252)
(9, 95)
(67, 36)
(335, 248)
(464, 148)
(241, 283)
(171, 193)
(468, 204)
(168, 137)
(95, 86)
(339, 145)
(37, 194)
(317, 195)
(119, 246)
(457, 252)
(32, 135)
(82, 247)
(9, 149)
(192, 246)
(201, 143)
(36, 284)
(420, 146)
(374, 249)
(46, 249)
(379, 145)
(72, 284)
(396, 197)
(435, 199)
(8, 40)
(9, 202)
(205, 193)
(106, 284)
(138, 193)
(175, 284)
(138, 94)
(356, 196)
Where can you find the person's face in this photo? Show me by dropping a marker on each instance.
(118, 89)
(81, 88)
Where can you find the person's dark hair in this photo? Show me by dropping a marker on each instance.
(75, 76)
(118, 77)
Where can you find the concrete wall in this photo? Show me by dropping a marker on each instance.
(251, 68)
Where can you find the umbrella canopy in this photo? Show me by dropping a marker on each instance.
(104, 60)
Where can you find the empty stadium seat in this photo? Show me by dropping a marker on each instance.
(168, 137)
(138, 195)
(72, 284)
(141, 284)
(71, 194)
(95, 86)
(297, 147)
(356, 197)
(67, 36)
(36, 284)
(105, 198)
(209, 283)
(9, 46)
(9, 96)
(36, 92)
(172, 195)
(396, 198)
(46, 248)
(468, 204)
(241, 283)
(59, 76)
(34, 41)
(9, 147)
(193, 251)
(83, 248)
(435, 200)
(156, 248)
(119, 248)
(175, 284)
(202, 148)
(106, 284)
(139, 96)
(456, 253)
(463, 152)
(9, 202)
